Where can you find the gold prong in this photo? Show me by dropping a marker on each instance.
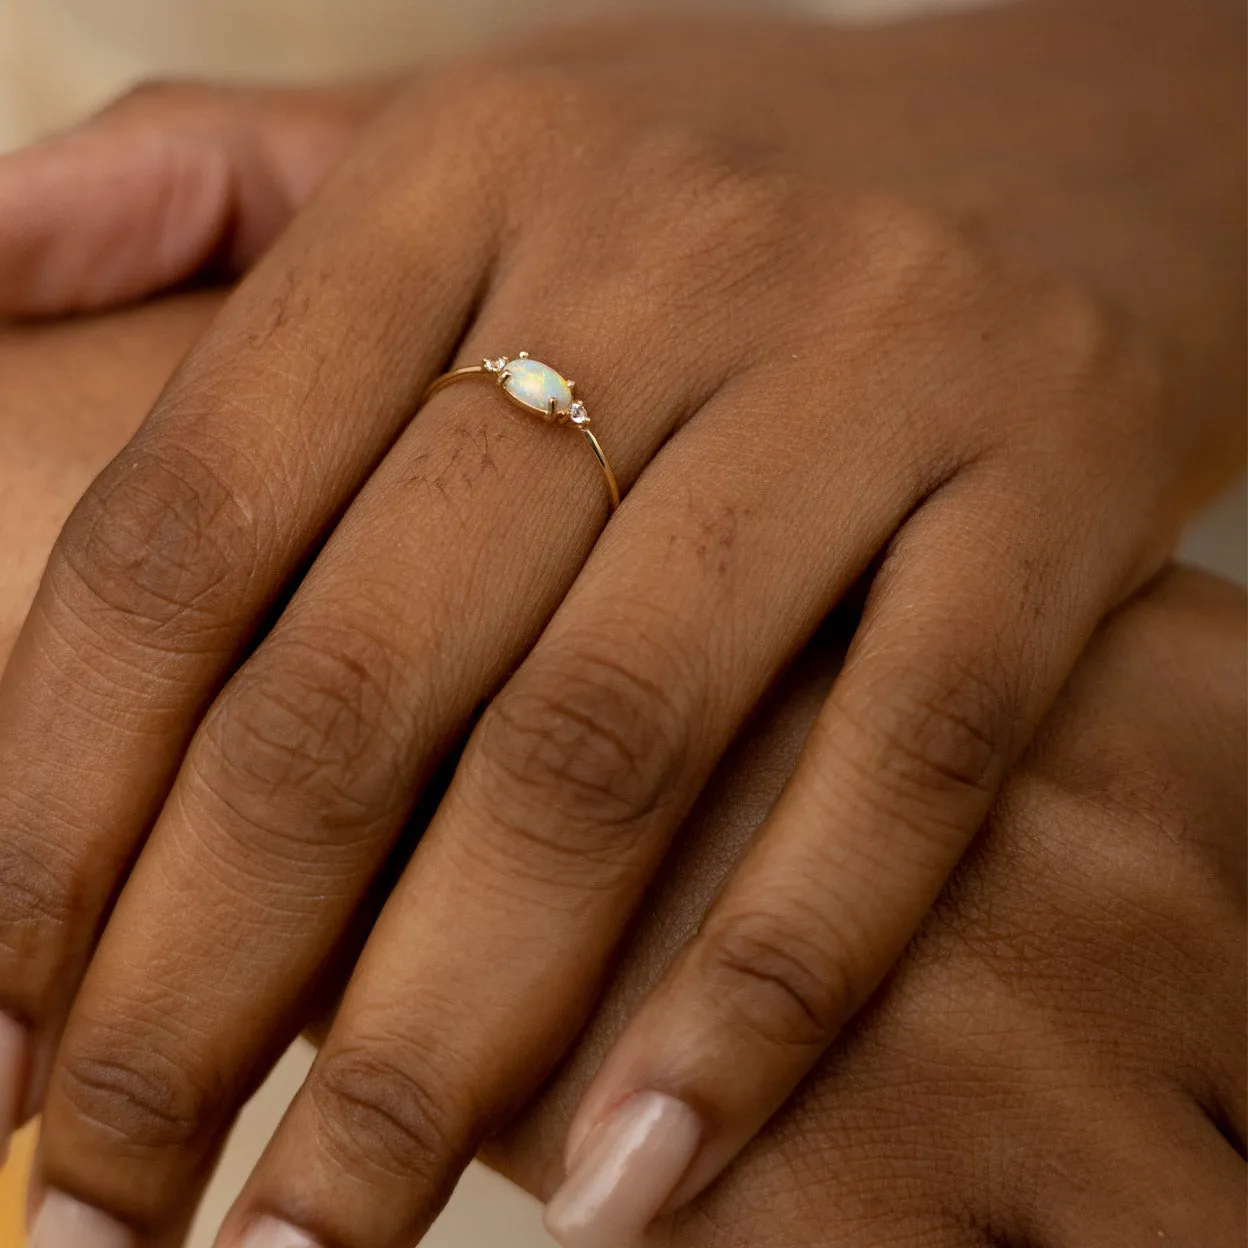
(575, 413)
(572, 388)
(524, 355)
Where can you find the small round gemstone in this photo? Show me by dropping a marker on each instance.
(496, 365)
(535, 384)
(578, 414)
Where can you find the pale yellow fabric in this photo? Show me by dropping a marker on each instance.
(13, 1190)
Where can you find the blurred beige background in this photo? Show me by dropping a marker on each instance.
(59, 58)
(62, 58)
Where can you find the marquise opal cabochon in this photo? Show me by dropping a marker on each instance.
(534, 384)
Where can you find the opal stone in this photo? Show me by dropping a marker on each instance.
(534, 384)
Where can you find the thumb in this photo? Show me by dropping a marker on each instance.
(169, 180)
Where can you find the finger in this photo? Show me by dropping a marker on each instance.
(965, 642)
(166, 570)
(303, 773)
(171, 177)
(1164, 1175)
(561, 806)
(54, 1219)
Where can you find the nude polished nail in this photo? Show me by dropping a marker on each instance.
(12, 1075)
(63, 1222)
(270, 1233)
(624, 1173)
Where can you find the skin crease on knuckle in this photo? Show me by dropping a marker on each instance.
(770, 974)
(590, 736)
(42, 923)
(122, 1094)
(375, 1103)
(158, 547)
(944, 730)
(133, 1085)
(311, 723)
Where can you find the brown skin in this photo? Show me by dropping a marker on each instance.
(1004, 252)
(1059, 1061)
(72, 398)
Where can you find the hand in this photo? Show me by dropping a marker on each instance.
(295, 784)
(1059, 1060)
(1101, 917)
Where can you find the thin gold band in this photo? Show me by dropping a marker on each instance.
(541, 397)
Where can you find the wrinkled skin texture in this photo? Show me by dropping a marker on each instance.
(1060, 1058)
(831, 321)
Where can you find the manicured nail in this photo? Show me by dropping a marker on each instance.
(63, 1222)
(12, 1075)
(624, 1173)
(270, 1233)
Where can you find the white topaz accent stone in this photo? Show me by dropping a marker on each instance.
(534, 384)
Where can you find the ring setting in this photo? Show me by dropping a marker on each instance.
(541, 390)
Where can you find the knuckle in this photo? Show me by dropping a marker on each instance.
(729, 223)
(1105, 852)
(1102, 368)
(512, 106)
(127, 1092)
(939, 730)
(777, 977)
(158, 544)
(724, 186)
(1093, 342)
(1134, 844)
(310, 725)
(38, 909)
(583, 735)
(391, 1115)
(910, 262)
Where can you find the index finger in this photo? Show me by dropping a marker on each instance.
(166, 179)
(166, 570)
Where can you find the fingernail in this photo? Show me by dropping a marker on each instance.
(270, 1233)
(63, 1222)
(12, 1074)
(624, 1173)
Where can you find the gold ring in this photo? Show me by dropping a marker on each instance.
(538, 388)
